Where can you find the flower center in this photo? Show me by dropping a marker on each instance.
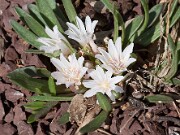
(71, 74)
(116, 65)
(105, 85)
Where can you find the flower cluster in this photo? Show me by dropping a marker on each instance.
(103, 77)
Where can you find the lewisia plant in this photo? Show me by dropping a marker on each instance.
(105, 78)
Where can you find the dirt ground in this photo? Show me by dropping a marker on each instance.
(134, 117)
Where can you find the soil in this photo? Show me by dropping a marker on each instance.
(132, 117)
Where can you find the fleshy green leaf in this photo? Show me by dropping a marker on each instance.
(70, 10)
(41, 112)
(34, 25)
(64, 118)
(34, 11)
(52, 86)
(154, 13)
(146, 16)
(118, 21)
(175, 59)
(175, 17)
(133, 27)
(23, 78)
(51, 98)
(34, 105)
(95, 123)
(27, 35)
(104, 102)
(48, 14)
(159, 99)
(173, 7)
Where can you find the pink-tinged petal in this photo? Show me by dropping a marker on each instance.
(105, 54)
(127, 51)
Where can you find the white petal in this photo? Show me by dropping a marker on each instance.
(93, 25)
(50, 33)
(110, 95)
(112, 50)
(88, 24)
(89, 83)
(73, 28)
(80, 25)
(118, 89)
(56, 63)
(56, 31)
(118, 45)
(130, 60)
(116, 79)
(127, 51)
(91, 92)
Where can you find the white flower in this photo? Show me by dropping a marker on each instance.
(102, 82)
(56, 41)
(116, 60)
(70, 71)
(83, 34)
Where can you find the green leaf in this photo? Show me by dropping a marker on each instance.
(51, 98)
(175, 17)
(175, 59)
(70, 10)
(95, 123)
(150, 35)
(34, 51)
(34, 25)
(132, 28)
(159, 99)
(34, 11)
(52, 86)
(34, 105)
(154, 13)
(41, 112)
(175, 81)
(118, 21)
(173, 7)
(23, 78)
(27, 35)
(104, 102)
(146, 16)
(48, 14)
(64, 118)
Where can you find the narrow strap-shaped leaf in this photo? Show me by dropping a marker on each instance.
(95, 123)
(104, 102)
(175, 17)
(146, 16)
(172, 45)
(34, 105)
(70, 10)
(132, 28)
(41, 112)
(118, 21)
(34, 25)
(48, 14)
(173, 7)
(34, 11)
(154, 13)
(159, 98)
(27, 35)
(52, 86)
(51, 98)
